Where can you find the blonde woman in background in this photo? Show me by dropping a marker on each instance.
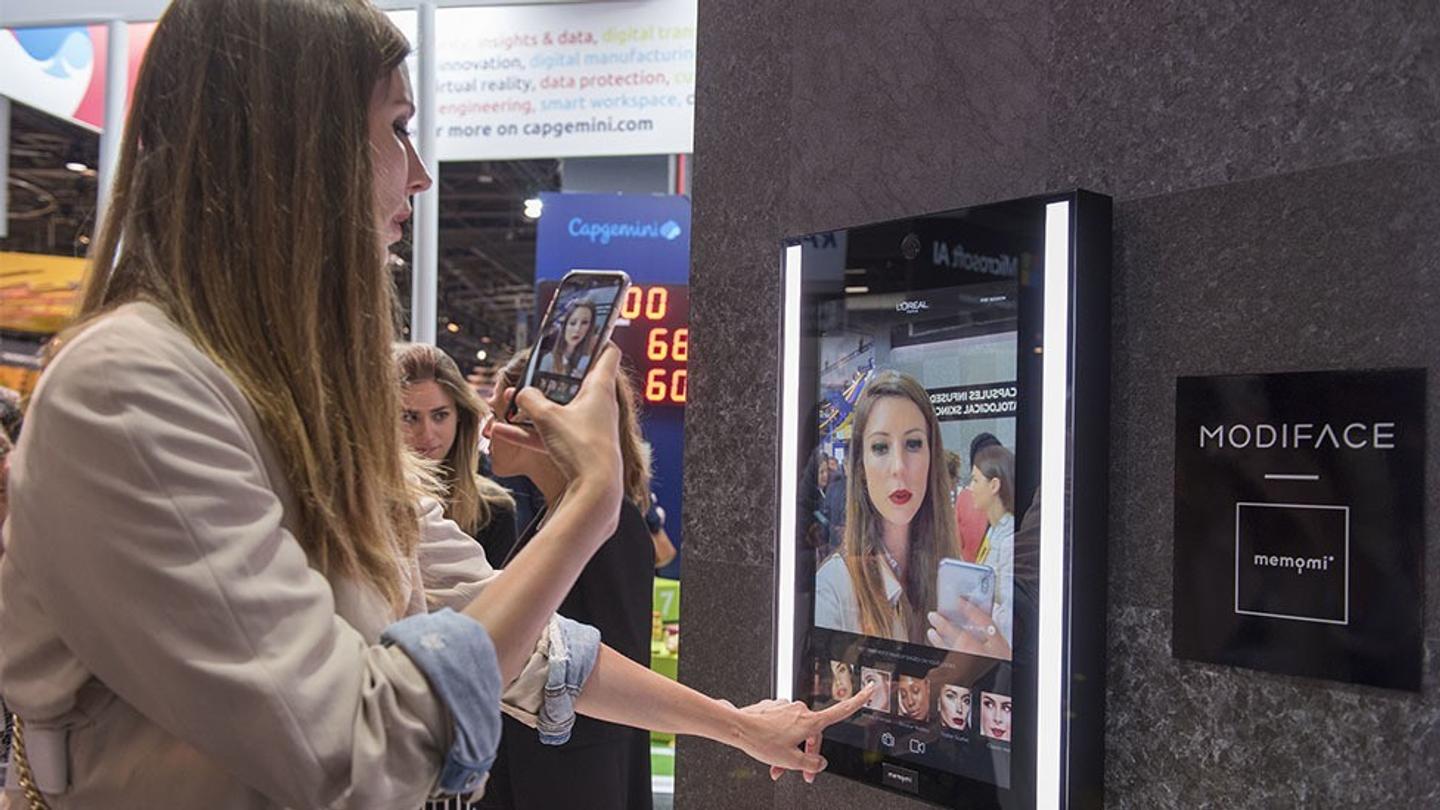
(220, 574)
(442, 417)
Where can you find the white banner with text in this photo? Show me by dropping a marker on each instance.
(564, 80)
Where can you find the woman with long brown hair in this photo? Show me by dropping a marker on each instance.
(572, 342)
(441, 417)
(220, 573)
(898, 521)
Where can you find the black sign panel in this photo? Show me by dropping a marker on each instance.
(1299, 523)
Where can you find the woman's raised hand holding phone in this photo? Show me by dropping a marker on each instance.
(975, 633)
(581, 437)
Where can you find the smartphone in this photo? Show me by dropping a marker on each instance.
(956, 580)
(576, 325)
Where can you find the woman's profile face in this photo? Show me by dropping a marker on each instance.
(955, 706)
(995, 715)
(577, 326)
(428, 414)
(897, 459)
(982, 490)
(398, 173)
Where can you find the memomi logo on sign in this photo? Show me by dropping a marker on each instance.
(1292, 561)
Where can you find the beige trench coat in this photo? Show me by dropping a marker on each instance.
(161, 628)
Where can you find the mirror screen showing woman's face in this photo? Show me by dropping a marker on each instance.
(907, 394)
(907, 513)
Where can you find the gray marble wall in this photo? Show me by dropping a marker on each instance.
(1276, 171)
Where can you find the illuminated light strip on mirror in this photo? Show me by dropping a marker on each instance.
(1054, 441)
(789, 450)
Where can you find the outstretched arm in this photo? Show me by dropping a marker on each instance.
(772, 731)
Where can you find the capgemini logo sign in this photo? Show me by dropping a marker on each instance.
(605, 232)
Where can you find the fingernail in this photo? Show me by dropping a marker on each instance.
(932, 615)
(823, 764)
(809, 778)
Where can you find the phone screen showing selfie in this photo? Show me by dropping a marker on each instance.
(575, 328)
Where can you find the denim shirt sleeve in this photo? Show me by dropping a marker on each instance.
(458, 658)
(574, 648)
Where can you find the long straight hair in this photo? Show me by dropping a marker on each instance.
(565, 360)
(470, 498)
(243, 207)
(932, 532)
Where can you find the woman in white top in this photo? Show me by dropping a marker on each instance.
(898, 522)
(992, 489)
(223, 586)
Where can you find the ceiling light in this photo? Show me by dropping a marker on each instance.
(856, 290)
(533, 207)
(481, 355)
(452, 327)
(77, 167)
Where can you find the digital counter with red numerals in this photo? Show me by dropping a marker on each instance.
(655, 341)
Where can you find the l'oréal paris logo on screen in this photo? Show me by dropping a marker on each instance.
(912, 307)
(605, 232)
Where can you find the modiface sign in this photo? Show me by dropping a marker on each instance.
(1299, 523)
